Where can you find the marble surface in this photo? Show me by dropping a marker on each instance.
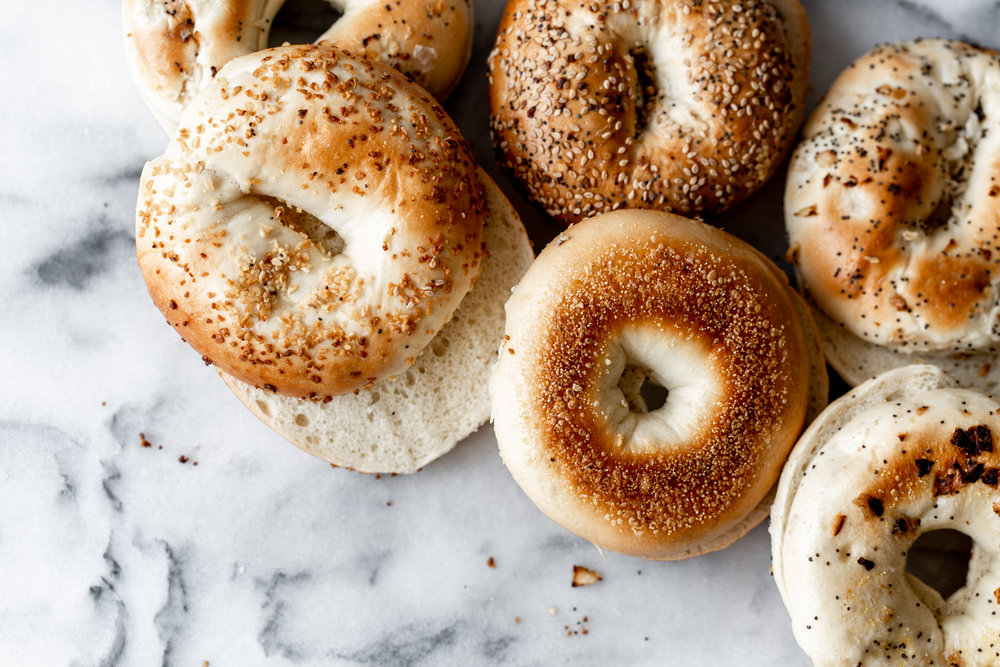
(221, 543)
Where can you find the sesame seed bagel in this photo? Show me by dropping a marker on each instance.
(893, 205)
(901, 455)
(175, 47)
(403, 423)
(635, 295)
(315, 221)
(670, 104)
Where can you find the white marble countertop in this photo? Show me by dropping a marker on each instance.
(221, 543)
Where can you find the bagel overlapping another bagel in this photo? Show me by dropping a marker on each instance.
(680, 105)
(315, 223)
(893, 210)
(634, 295)
(175, 47)
(401, 424)
(319, 230)
(901, 455)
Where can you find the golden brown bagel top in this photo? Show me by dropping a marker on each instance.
(175, 47)
(712, 320)
(893, 198)
(677, 104)
(314, 223)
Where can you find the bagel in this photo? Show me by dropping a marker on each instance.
(670, 104)
(857, 360)
(316, 220)
(901, 455)
(174, 48)
(404, 423)
(691, 308)
(892, 208)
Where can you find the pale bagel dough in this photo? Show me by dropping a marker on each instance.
(635, 294)
(175, 47)
(681, 105)
(316, 220)
(900, 455)
(892, 208)
(401, 424)
(857, 360)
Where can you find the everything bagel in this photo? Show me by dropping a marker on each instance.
(681, 105)
(175, 47)
(901, 455)
(631, 295)
(893, 211)
(315, 222)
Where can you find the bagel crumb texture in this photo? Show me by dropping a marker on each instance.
(680, 105)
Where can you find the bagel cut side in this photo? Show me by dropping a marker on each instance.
(635, 297)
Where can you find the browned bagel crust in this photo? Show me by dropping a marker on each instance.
(577, 122)
(893, 199)
(175, 47)
(663, 273)
(278, 311)
(429, 41)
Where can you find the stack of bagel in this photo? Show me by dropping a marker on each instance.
(321, 232)
(318, 228)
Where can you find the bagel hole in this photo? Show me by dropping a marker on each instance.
(307, 224)
(302, 21)
(302, 420)
(645, 88)
(955, 176)
(940, 216)
(642, 392)
(264, 408)
(940, 559)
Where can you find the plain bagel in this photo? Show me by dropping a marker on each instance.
(403, 423)
(681, 105)
(175, 47)
(893, 211)
(636, 295)
(314, 223)
(901, 455)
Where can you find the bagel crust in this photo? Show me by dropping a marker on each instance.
(893, 200)
(175, 47)
(902, 455)
(314, 223)
(681, 105)
(695, 310)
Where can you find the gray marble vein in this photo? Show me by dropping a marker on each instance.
(75, 264)
(412, 644)
(271, 636)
